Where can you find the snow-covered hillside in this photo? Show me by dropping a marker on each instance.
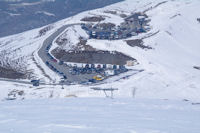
(168, 67)
(99, 116)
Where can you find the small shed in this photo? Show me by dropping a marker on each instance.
(35, 82)
(130, 63)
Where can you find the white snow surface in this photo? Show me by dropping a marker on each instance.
(93, 115)
(168, 66)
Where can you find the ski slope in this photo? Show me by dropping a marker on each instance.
(168, 67)
(99, 116)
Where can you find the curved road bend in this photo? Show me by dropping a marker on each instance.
(61, 68)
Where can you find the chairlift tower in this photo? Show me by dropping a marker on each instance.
(105, 90)
(62, 84)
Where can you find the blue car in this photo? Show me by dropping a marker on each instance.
(65, 77)
(92, 80)
(48, 55)
(61, 73)
(47, 63)
(61, 63)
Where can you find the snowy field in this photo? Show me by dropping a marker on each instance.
(78, 115)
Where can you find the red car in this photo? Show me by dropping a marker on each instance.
(54, 60)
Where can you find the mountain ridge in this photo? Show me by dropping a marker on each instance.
(19, 16)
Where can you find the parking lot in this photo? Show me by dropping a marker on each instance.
(132, 25)
(74, 73)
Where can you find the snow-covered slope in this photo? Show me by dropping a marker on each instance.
(99, 116)
(169, 71)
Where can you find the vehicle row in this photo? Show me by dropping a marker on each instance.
(55, 70)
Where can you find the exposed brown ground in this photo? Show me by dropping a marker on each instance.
(11, 74)
(91, 57)
(93, 19)
(137, 43)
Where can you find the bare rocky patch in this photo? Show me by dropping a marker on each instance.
(92, 57)
(137, 43)
(61, 41)
(111, 12)
(45, 30)
(122, 15)
(198, 19)
(196, 67)
(93, 19)
(82, 46)
(11, 73)
(153, 7)
(15, 94)
(176, 15)
(13, 68)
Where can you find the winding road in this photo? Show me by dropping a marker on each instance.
(43, 54)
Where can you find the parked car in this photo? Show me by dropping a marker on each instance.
(92, 80)
(92, 66)
(61, 62)
(98, 78)
(47, 63)
(65, 77)
(54, 60)
(87, 66)
(104, 66)
(61, 73)
(114, 66)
